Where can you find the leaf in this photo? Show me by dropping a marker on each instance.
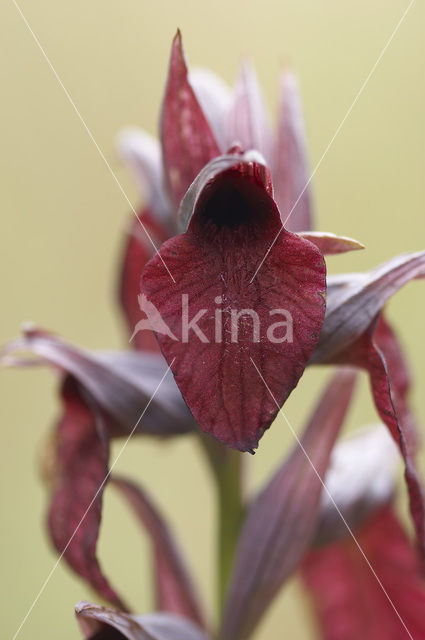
(233, 222)
(124, 385)
(349, 601)
(95, 621)
(360, 480)
(247, 119)
(175, 592)
(281, 522)
(81, 471)
(330, 244)
(188, 142)
(290, 173)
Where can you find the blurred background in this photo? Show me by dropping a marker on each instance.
(63, 218)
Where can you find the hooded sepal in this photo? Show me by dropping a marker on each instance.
(291, 176)
(247, 120)
(188, 142)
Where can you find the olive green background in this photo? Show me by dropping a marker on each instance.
(62, 228)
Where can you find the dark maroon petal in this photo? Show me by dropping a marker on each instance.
(330, 244)
(233, 222)
(95, 621)
(360, 480)
(386, 341)
(354, 300)
(123, 385)
(349, 601)
(281, 522)
(290, 173)
(137, 252)
(188, 143)
(247, 120)
(81, 470)
(175, 592)
(378, 352)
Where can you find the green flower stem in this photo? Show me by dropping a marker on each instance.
(230, 519)
(226, 465)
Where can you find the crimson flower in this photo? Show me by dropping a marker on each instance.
(235, 253)
(379, 596)
(229, 187)
(222, 251)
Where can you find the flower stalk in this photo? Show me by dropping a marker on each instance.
(230, 514)
(227, 468)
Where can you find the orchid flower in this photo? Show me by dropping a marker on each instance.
(382, 595)
(242, 257)
(265, 557)
(104, 396)
(340, 568)
(224, 290)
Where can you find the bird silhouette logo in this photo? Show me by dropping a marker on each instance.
(153, 320)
